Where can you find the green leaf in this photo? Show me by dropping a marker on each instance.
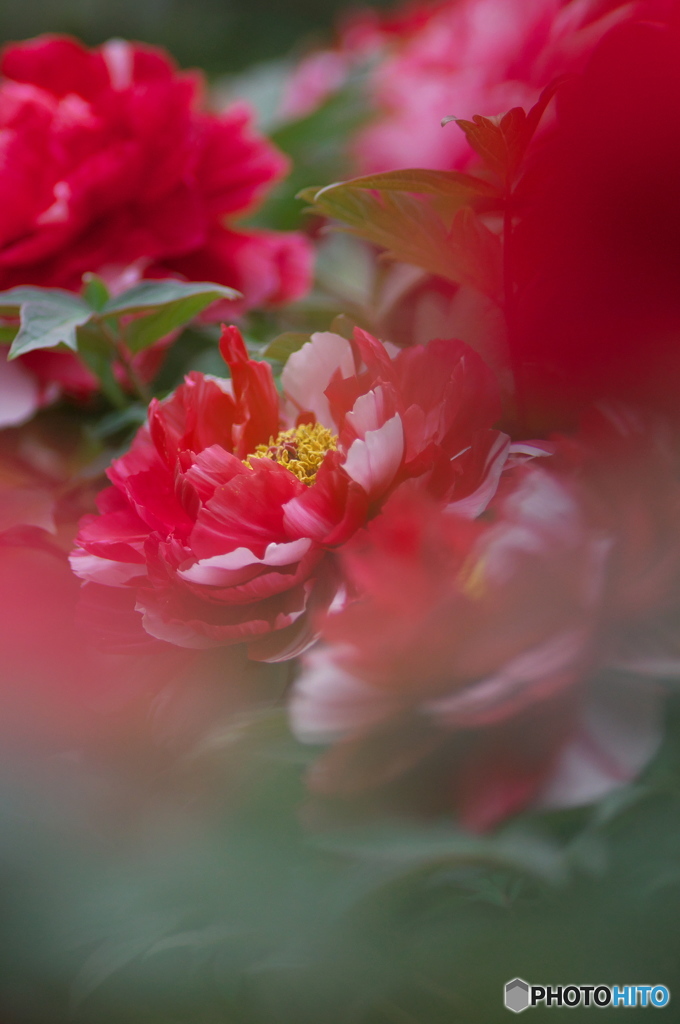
(496, 141)
(284, 345)
(406, 848)
(413, 229)
(453, 184)
(95, 291)
(11, 301)
(95, 351)
(46, 324)
(502, 141)
(168, 305)
(149, 295)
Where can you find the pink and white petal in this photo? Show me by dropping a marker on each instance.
(95, 569)
(181, 634)
(285, 644)
(182, 620)
(620, 732)
(328, 702)
(535, 675)
(472, 505)
(219, 569)
(308, 373)
(370, 411)
(373, 462)
(524, 451)
(19, 394)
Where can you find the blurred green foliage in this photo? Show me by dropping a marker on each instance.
(182, 909)
(218, 35)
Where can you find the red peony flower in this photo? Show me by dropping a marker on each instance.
(521, 652)
(111, 164)
(110, 160)
(222, 516)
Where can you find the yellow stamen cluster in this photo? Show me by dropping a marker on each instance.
(301, 450)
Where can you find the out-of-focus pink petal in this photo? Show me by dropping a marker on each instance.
(19, 393)
(619, 733)
(329, 702)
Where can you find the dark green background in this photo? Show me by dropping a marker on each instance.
(218, 35)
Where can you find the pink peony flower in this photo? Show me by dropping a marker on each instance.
(490, 646)
(222, 517)
(111, 164)
(463, 57)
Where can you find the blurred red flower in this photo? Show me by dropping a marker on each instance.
(222, 515)
(526, 646)
(597, 240)
(111, 164)
(433, 59)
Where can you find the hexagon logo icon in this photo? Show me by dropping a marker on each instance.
(516, 995)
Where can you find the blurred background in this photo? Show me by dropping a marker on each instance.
(220, 36)
(160, 861)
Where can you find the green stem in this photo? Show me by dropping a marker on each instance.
(123, 356)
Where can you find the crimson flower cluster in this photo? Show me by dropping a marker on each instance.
(111, 161)
(112, 164)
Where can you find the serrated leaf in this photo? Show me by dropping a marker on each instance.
(492, 143)
(502, 141)
(46, 324)
(427, 182)
(413, 230)
(284, 345)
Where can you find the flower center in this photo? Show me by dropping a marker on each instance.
(301, 450)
